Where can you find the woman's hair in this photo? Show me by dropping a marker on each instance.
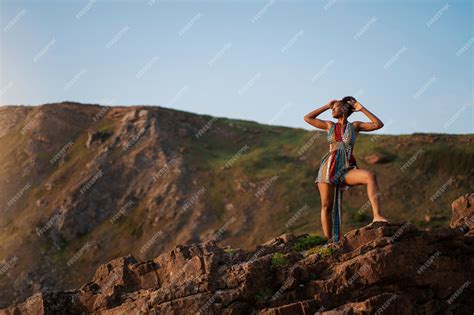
(345, 101)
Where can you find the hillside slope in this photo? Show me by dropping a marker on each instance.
(83, 184)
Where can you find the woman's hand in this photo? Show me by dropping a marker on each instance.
(374, 124)
(332, 103)
(357, 106)
(311, 119)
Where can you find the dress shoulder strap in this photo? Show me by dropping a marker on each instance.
(330, 132)
(333, 125)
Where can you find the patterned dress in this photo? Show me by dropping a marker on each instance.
(334, 166)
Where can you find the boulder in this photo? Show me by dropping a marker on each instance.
(377, 158)
(98, 136)
(463, 213)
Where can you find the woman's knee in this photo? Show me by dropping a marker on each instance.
(326, 207)
(371, 177)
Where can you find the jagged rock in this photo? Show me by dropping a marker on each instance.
(377, 158)
(463, 213)
(391, 267)
(97, 136)
(430, 216)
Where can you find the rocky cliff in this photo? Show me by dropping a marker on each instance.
(389, 268)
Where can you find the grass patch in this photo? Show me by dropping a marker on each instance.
(452, 161)
(324, 251)
(360, 216)
(279, 259)
(308, 242)
(263, 294)
(106, 126)
(229, 250)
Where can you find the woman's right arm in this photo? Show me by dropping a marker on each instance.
(311, 119)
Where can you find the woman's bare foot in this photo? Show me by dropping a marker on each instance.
(379, 218)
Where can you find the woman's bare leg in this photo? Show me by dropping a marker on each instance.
(327, 196)
(363, 177)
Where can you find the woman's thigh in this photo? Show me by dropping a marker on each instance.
(327, 194)
(358, 176)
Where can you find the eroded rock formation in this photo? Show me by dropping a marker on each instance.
(391, 268)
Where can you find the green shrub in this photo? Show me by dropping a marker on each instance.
(308, 242)
(324, 251)
(360, 216)
(279, 259)
(263, 294)
(229, 250)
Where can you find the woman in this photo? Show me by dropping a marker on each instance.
(338, 170)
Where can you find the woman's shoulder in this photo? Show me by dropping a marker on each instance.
(354, 127)
(332, 125)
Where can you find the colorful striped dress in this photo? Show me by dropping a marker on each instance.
(334, 166)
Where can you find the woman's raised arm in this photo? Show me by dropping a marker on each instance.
(311, 119)
(374, 124)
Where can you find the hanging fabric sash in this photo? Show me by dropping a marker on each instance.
(336, 213)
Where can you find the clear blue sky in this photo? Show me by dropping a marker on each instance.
(410, 62)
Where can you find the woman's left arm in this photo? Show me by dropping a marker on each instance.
(374, 124)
